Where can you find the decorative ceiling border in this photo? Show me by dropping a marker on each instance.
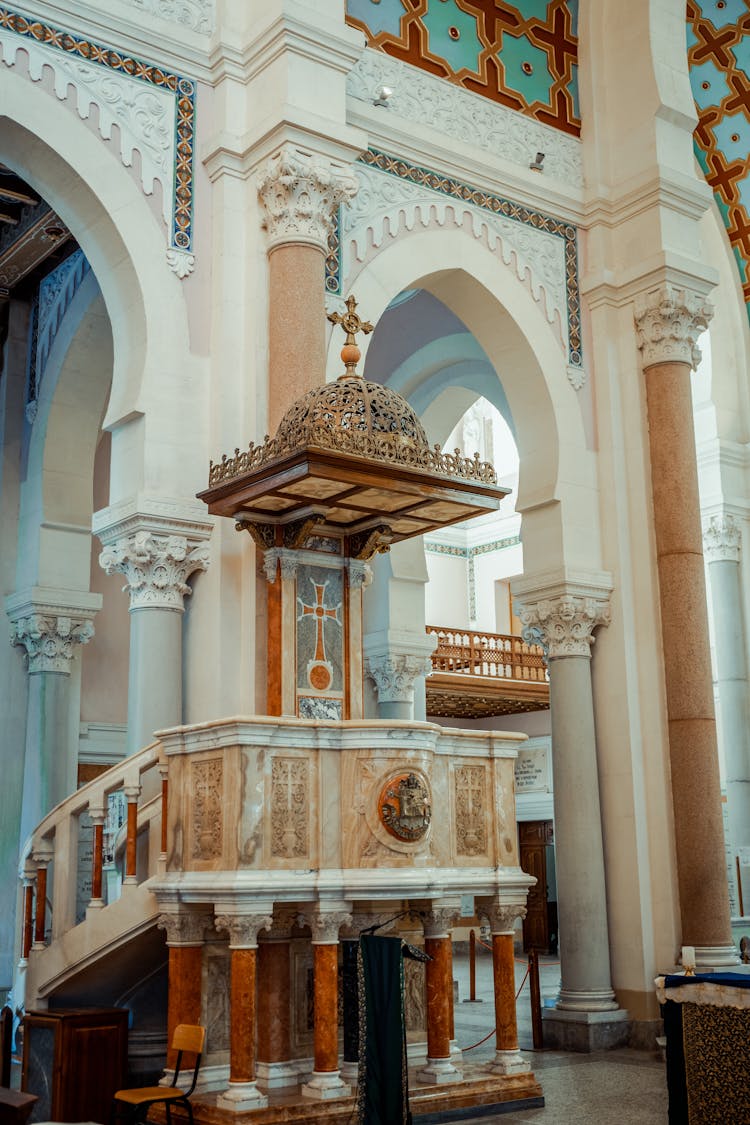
(92, 57)
(493, 204)
(434, 548)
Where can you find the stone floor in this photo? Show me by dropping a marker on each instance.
(620, 1086)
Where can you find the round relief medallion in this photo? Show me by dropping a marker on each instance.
(404, 807)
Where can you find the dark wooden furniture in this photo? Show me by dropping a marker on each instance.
(6, 1042)
(15, 1107)
(74, 1060)
(540, 924)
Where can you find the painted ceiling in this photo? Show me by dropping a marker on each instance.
(718, 40)
(523, 55)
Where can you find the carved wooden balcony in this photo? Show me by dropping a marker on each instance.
(478, 675)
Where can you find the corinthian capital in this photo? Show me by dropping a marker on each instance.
(325, 925)
(668, 323)
(243, 929)
(300, 193)
(722, 538)
(394, 675)
(184, 927)
(500, 915)
(156, 567)
(439, 920)
(50, 630)
(563, 625)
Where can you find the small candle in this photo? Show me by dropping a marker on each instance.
(688, 957)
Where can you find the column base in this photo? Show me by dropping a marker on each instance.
(349, 1071)
(241, 1096)
(587, 1000)
(277, 1075)
(708, 957)
(439, 1071)
(566, 1030)
(509, 1062)
(325, 1084)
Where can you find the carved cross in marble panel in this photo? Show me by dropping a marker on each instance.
(318, 670)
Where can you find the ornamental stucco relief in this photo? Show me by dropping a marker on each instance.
(143, 114)
(290, 807)
(384, 202)
(198, 15)
(457, 113)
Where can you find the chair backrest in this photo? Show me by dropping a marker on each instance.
(188, 1037)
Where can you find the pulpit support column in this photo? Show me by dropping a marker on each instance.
(326, 1081)
(185, 935)
(439, 974)
(501, 916)
(242, 1093)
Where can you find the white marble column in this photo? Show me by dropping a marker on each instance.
(49, 625)
(157, 553)
(722, 541)
(397, 649)
(563, 620)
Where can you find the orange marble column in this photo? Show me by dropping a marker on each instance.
(274, 1012)
(28, 917)
(97, 857)
(40, 906)
(300, 193)
(275, 648)
(439, 980)
(132, 793)
(164, 771)
(508, 1059)
(669, 321)
(326, 1080)
(242, 1093)
(185, 933)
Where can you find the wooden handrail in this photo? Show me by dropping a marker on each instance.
(500, 656)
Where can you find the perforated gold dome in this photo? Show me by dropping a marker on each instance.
(355, 407)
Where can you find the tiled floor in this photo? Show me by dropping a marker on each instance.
(627, 1087)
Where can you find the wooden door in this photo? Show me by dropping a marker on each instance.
(534, 837)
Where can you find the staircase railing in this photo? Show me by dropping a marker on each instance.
(497, 655)
(65, 861)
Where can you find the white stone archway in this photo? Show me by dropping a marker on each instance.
(84, 180)
(557, 489)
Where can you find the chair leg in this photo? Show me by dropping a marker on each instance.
(190, 1111)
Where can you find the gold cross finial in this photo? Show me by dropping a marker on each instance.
(352, 324)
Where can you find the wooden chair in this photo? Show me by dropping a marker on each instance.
(135, 1104)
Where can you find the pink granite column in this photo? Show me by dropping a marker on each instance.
(669, 321)
(300, 193)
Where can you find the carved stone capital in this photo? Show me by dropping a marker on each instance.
(50, 640)
(438, 921)
(288, 563)
(360, 573)
(325, 925)
(563, 625)
(501, 915)
(243, 929)
(156, 567)
(362, 920)
(668, 322)
(394, 675)
(188, 927)
(722, 539)
(300, 193)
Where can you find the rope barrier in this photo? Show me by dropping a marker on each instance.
(491, 1033)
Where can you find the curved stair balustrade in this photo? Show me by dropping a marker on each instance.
(85, 873)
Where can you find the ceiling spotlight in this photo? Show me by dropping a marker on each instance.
(382, 94)
(537, 164)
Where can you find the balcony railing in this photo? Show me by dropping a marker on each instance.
(496, 655)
